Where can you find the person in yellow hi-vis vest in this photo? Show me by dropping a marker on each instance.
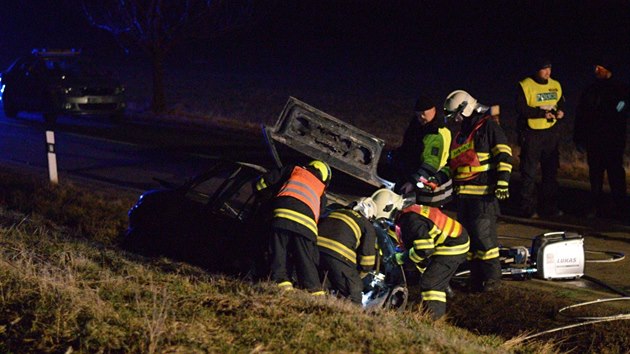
(540, 109)
(297, 205)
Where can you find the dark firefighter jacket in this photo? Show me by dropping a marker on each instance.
(298, 201)
(349, 236)
(480, 157)
(601, 116)
(427, 231)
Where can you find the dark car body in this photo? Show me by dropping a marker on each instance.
(212, 221)
(60, 82)
(217, 221)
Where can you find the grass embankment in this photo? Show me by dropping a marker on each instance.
(65, 286)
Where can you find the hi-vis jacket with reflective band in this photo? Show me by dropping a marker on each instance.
(435, 161)
(545, 96)
(349, 236)
(427, 231)
(480, 157)
(298, 203)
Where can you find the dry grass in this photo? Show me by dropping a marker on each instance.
(87, 211)
(65, 291)
(60, 294)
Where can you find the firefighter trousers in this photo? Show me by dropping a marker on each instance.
(435, 280)
(290, 250)
(343, 277)
(478, 215)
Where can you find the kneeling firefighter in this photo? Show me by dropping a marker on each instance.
(296, 209)
(435, 243)
(347, 246)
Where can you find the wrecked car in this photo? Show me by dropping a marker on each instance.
(216, 220)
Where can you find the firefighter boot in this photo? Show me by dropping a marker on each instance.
(475, 282)
(491, 270)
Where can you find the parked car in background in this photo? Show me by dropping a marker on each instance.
(60, 82)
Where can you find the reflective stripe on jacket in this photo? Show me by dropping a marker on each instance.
(347, 235)
(545, 96)
(435, 234)
(481, 159)
(305, 187)
(465, 162)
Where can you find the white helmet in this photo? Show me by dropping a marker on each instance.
(387, 202)
(366, 207)
(459, 102)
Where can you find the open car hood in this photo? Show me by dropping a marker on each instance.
(324, 137)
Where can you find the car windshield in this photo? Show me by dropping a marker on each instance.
(73, 66)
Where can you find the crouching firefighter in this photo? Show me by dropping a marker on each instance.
(435, 243)
(347, 246)
(296, 209)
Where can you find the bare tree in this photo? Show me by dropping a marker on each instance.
(156, 26)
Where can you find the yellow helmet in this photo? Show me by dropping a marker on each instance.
(323, 168)
(387, 202)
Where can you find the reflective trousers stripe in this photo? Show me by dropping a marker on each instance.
(294, 216)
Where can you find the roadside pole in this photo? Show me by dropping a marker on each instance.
(52, 157)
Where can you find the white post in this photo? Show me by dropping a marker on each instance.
(52, 157)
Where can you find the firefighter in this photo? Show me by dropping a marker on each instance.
(296, 207)
(435, 243)
(347, 247)
(480, 162)
(540, 108)
(600, 131)
(421, 159)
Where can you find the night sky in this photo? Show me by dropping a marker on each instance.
(484, 47)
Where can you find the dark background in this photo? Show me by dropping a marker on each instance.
(484, 47)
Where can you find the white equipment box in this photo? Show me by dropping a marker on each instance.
(558, 255)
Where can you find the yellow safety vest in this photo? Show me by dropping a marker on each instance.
(545, 96)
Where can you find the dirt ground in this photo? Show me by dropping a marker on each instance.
(595, 242)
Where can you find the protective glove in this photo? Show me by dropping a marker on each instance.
(502, 192)
(429, 184)
(399, 258)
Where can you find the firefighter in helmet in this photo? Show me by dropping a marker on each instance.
(432, 241)
(296, 207)
(347, 246)
(480, 161)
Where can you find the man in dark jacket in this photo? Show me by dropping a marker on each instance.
(296, 209)
(420, 163)
(600, 131)
(347, 245)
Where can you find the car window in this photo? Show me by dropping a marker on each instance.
(204, 189)
(239, 201)
(226, 190)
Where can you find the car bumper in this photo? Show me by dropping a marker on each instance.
(88, 105)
